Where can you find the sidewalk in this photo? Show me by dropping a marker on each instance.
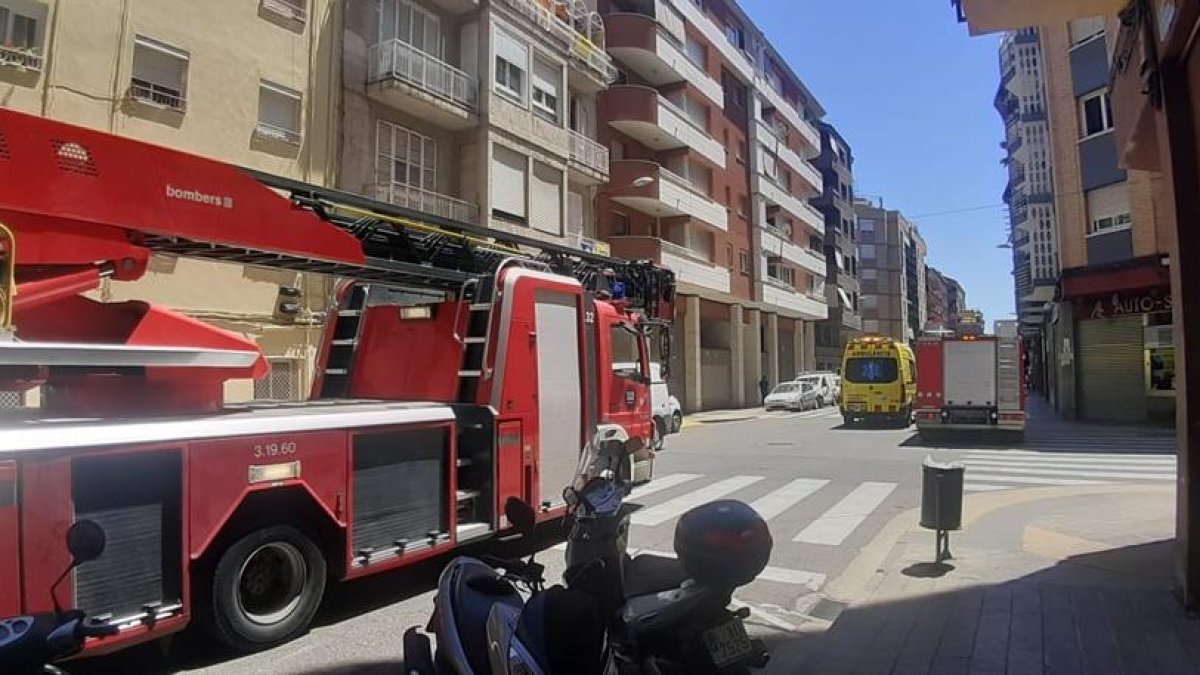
(715, 416)
(1048, 580)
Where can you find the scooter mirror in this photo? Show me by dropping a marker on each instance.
(521, 515)
(86, 541)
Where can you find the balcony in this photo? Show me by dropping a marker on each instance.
(581, 37)
(780, 294)
(588, 158)
(690, 267)
(403, 77)
(644, 115)
(798, 208)
(666, 196)
(25, 58)
(808, 133)
(426, 201)
(649, 47)
(805, 171)
(851, 319)
(738, 61)
(777, 243)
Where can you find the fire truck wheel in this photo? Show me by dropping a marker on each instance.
(660, 434)
(266, 588)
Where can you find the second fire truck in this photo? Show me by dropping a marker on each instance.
(459, 367)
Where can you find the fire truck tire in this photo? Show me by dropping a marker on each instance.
(266, 588)
(660, 434)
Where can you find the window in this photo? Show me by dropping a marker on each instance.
(282, 383)
(278, 113)
(866, 251)
(405, 158)
(546, 210)
(1083, 30)
(744, 262)
(870, 302)
(734, 35)
(1095, 113)
(512, 58)
(413, 25)
(620, 224)
(17, 31)
(546, 79)
(510, 170)
(289, 9)
(870, 274)
(866, 225)
(626, 353)
(159, 74)
(780, 272)
(695, 51)
(1108, 209)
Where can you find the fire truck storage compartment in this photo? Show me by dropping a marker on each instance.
(560, 393)
(400, 485)
(970, 374)
(137, 499)
(476, 483)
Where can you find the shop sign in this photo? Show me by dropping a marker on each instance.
(1122, 304)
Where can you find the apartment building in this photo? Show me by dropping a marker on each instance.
(836, 203)
(710, 137)
(481, 111)
(891, 256)
(956, 300)
(253, 93)
(937, 299)
(1109, 351)
(1029, 194)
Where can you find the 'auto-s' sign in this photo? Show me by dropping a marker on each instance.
(199, 197)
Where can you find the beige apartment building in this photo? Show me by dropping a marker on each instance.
(712, 138)
(891, 258)
(258, 93)
(1109, 352)
(482, 111)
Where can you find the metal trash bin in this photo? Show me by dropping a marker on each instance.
(942, 500)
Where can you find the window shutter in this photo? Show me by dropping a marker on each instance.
(512, 50)
(508, 181)
(1108, 202)
(575, 212)
(547, 199)
(279, 107)
(546, 77)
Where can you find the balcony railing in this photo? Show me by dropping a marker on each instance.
(401, 61)
(426, 201)
(157, 94)
(278, 133)
(291, 9)
(581, 45)
(589, 153)
(21, 57)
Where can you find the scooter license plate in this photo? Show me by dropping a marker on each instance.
(728, 643)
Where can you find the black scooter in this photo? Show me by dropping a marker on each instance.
(31, 644)
(615, 615)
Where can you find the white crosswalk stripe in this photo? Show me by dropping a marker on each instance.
(832, 528)
(673, 508)
(775, 503)
(993, 470)
(662, 483)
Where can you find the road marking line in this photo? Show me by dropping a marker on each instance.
(660, 483)
(1002, 468)
(1032, 480)
(781, 575)
(671, 509)
(1035, 467)
(1087, 463)
(774, 503)
(1098, 456)
(980, 487)
(832, 528)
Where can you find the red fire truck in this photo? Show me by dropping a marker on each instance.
(970, 381)
(459, 367)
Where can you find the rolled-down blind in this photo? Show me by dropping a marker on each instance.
(508, 181)
(547, 199)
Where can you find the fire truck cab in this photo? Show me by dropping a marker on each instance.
(458, 367)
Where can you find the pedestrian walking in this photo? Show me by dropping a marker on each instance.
(764, 386)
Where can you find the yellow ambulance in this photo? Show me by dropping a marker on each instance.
(878, 381)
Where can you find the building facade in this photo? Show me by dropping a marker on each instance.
(891, 255)
(710, 137)
(956, 300)
(836, 203)
(1112, 323)
(254, 93)
(1029, 194)
(937, 300)
(477, 111)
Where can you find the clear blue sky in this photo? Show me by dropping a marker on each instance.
(912, 94)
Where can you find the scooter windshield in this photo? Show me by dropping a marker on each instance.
(602, 457)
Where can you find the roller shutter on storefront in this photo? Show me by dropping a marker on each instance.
(1111, 379)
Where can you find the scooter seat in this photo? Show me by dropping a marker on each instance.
(649, 574)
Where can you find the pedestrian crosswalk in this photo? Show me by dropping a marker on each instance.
(995, 470)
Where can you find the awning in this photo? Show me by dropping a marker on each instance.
(1145, 273)
(994, 16)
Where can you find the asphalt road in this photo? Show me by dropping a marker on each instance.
(825, 490)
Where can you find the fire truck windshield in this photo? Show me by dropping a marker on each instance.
(871, 370)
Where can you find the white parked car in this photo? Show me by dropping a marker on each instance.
(827, 385)
(791, 396)
(668, 414)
